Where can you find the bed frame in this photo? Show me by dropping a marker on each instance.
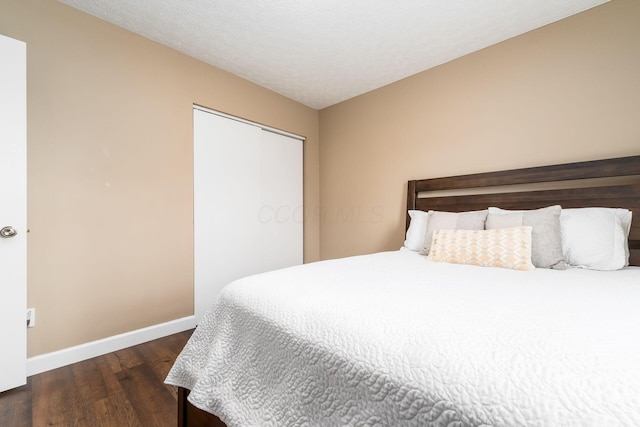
(613, 183)
(190, 416)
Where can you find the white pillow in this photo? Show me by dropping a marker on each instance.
(415, 233)
(596, 238)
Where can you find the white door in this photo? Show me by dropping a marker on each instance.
(247, 203)
(13, 213)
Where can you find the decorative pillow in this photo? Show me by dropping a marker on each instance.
(546, 239)
(473, 220)
(415, 233)
(504, 247)
(596, 238)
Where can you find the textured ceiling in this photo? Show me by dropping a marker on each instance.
(326, 51)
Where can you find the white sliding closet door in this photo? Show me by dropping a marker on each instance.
(248, 214)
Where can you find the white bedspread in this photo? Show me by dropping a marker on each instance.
(392, 339)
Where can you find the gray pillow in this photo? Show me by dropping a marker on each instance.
(546, 239)
(473, 220)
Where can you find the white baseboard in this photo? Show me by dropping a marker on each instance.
(67, 356)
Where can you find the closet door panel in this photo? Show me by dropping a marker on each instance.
(282, 212)
(227, 173)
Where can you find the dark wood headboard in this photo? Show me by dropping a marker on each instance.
(612, 183)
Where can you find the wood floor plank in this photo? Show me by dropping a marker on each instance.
(159, 356)
(55, 399)
(15, 406)
(89, 381)
(111, 383)
(156, 408)
(116, 410)
(121, 389)
(123, 359)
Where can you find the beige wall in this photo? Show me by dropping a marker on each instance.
(110, 189)
(566, 92)
(110, 147)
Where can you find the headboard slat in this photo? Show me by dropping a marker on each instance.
(622, 166)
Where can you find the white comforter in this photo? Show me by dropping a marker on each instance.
(392, 339)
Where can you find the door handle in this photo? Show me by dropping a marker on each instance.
(8, 232)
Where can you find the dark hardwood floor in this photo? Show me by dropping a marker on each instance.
(120, 389)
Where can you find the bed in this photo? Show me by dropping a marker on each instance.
(396, 339)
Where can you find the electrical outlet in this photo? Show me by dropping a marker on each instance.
(31, 317)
